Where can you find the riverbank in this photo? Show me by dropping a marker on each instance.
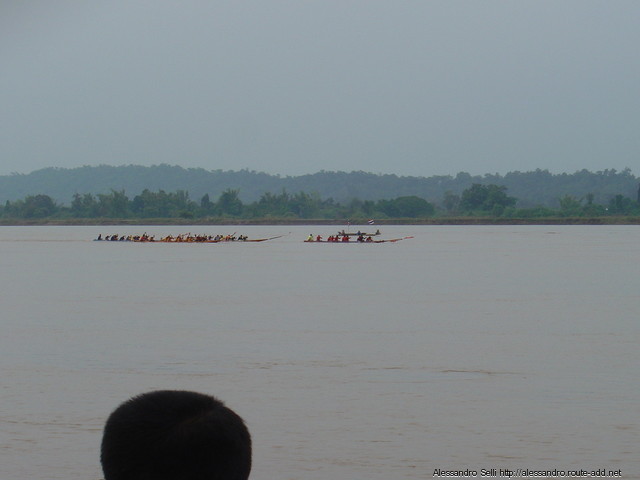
(608, 220)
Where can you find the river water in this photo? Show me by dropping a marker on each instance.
(466, 347)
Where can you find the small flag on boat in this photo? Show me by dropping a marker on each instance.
(371, 222)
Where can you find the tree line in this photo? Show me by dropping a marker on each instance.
(532, 189)
(479, 200)
(161, 204)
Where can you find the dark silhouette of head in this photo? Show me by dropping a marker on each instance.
(175, 435)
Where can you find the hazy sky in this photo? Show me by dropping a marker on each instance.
(413, 87)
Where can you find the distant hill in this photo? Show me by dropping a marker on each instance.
(539, 187)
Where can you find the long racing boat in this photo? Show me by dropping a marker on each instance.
(343, 238)
(182, 238)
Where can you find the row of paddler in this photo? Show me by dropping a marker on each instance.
(182, 238)
(338, 238)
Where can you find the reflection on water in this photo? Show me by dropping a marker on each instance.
(464, 347)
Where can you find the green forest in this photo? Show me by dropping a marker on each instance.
(531, 189)
(487, 201)
(172, 192)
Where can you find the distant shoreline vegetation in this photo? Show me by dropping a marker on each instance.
(532, 189)
(618, 220)
(477, 204)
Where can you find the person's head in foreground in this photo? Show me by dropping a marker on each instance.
(175, 435)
